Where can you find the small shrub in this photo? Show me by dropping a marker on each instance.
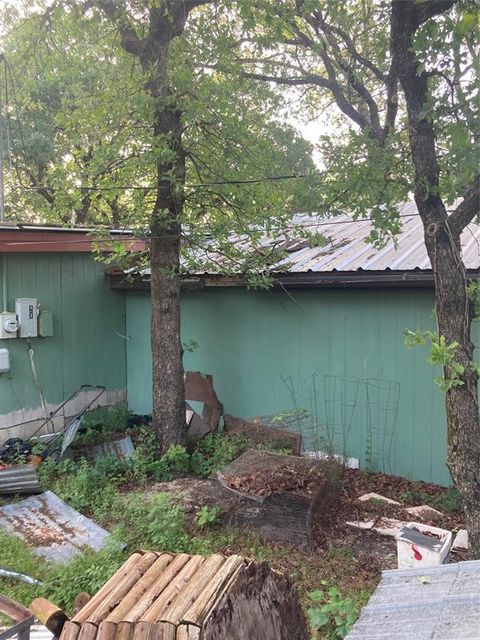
(449, 501)
(215, 452)
(87, 488)
(207, 516)
(332, 613)
(177, 460)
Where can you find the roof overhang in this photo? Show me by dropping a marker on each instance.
(17, 239)
(308, 280)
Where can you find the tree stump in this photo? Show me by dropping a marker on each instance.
(163, 596)
(282, 497)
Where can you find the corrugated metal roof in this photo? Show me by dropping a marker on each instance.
(121, 449)
(426, 604)
(49, 525)
(347, 250)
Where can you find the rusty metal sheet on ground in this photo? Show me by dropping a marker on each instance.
(51, 527)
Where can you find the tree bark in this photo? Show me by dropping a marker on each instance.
(168, 392)
(442, 239)
(166, 21)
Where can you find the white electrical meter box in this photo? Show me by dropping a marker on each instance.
(27, 316)
(8, 325)
(4, 360)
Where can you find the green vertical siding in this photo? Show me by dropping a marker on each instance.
(88, 345)
(250, 340)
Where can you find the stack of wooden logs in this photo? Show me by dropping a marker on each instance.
(163, 596)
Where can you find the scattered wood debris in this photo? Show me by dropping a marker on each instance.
(199, 388)
(377, 497)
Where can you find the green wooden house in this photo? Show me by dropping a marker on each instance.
(322, 350)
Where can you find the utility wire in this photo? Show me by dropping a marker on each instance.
(198, 185)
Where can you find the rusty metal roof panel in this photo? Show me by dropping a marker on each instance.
(55, 530)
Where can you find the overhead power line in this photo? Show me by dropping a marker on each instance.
(197, 185)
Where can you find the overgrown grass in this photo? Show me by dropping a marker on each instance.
(147, 521)
(447, 501)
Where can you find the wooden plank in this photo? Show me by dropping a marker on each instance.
(13, 609)
(196, 613)
(70, 631)
(49, 615)
(124, 631)
(117, 577)
(88, 631)
(142, 586)
(166, 631)
(117, 594)
(194, 589)
(161, 604)
(145, 631)
(157, 588)
(188, 632)
(106, 631)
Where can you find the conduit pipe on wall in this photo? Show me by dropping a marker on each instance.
(4, 282)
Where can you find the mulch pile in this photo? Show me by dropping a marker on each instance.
(269, 481)
(265, 473)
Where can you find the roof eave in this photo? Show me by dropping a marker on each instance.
(308, 280)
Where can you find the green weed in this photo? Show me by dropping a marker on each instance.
(207, 516)
(332, 613)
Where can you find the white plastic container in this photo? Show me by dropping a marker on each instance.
(415, 549)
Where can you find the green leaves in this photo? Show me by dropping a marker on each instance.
(332, 613)
(442, 354)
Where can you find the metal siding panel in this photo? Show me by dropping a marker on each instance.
(248, 340)
(84, 347)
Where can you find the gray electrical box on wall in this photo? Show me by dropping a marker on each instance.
(4, 360)
(27, 316)
(45, 323)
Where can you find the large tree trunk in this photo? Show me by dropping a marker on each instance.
(167, 371)
(168, 391)
(442, 239)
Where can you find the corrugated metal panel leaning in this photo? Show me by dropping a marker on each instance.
(19, 479)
